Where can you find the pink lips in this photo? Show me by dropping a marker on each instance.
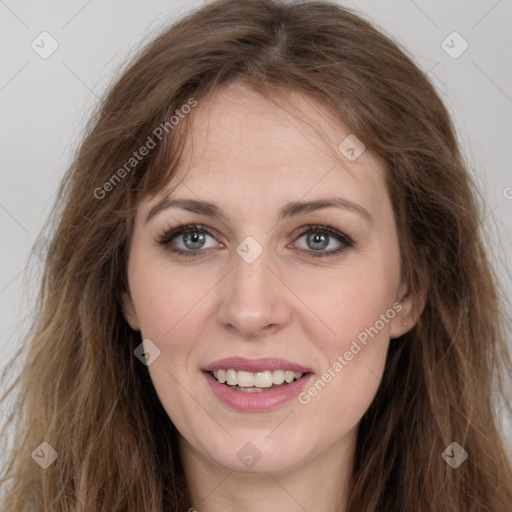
(259, 400)
(255, 365)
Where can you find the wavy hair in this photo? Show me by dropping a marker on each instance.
(82, 391)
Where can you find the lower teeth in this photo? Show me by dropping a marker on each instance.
(254, 389)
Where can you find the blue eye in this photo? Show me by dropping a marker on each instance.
(192, 238)
(320, 237)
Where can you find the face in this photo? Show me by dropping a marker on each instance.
(263, 278)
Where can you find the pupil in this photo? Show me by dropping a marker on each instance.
(194, 238)
(318, 238)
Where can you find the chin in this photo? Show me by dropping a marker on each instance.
(256, 455)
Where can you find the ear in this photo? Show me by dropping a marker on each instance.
(129, 313)
(412, 303)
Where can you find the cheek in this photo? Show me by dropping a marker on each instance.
(167, 300)
(171, 308)
(346, 306)
(353, 338)
(353, 348)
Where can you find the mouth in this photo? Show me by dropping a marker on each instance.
(259, 390)
(256, 382)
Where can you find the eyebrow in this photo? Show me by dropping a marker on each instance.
(293, 209)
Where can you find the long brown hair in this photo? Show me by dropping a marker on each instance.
(82, 390)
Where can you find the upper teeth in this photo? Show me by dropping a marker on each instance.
(259, 379)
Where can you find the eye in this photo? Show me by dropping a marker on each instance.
(319, 238)
(190, 239)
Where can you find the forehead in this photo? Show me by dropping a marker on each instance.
(241, 144)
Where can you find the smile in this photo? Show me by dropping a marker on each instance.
(255, 381)
(253, 398)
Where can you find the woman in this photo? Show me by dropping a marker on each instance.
(266, 286)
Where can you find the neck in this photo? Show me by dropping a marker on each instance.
(320, 484)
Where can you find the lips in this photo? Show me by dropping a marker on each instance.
(254, 398)
(255, 365)
(262, 400)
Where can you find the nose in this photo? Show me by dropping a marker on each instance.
(254, 299)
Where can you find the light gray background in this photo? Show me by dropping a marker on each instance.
(45, 102)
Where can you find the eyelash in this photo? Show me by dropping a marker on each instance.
(169, 235)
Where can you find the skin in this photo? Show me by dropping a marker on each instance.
(251, 157)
